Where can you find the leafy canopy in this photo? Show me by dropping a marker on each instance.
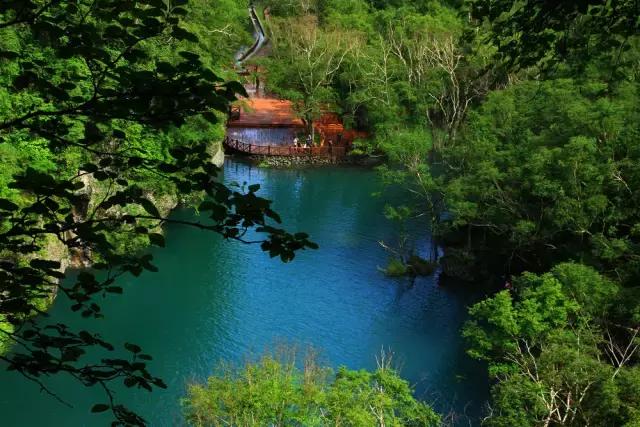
(274, 391)
(110, 96)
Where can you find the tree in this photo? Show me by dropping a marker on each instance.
(540, 175)
(534, 32)
(290, 7)
(274, 391)
(91, 81)
(421, 63)
(409, 168)
(304, 62)
(559, 353)
(544, 174)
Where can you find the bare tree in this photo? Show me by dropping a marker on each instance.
(373, 74)
(621, 353)
(434, 63)
(311, 57)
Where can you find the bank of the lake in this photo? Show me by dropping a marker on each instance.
(216, 300)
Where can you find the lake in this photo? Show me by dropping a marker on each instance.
(214, 300)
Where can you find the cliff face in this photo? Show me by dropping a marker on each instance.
(94, 192)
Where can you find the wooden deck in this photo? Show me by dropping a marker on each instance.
(240, 147)
(266, 112)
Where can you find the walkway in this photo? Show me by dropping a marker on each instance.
(259, 35)
(266, 126)
(236, 146)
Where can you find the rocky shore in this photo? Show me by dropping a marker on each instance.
(286, 162)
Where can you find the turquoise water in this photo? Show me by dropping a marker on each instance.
(216, 300)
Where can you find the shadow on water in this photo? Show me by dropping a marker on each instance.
(216, 300)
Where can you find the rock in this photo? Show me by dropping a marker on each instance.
(285, 162)
(217, 155)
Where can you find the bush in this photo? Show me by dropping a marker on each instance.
(274, 391)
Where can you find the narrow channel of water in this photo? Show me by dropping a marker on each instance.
(216, 300)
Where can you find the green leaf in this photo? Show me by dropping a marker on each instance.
(189, 56)
(117, 133)
(44, 264)
(157, 239)
(7, 205)
(150, 207)
(130, 381)
(182, 34)
(101, 175)
(210, 117)
(237, 88)
(135, 161)
(100, 407)
(132, 348)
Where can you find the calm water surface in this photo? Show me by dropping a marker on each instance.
(216, 300)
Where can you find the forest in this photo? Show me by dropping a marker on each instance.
(513, 126)
(507, 129)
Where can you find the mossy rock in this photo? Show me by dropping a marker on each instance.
(396, 268)
(264, 164)
(415, 266)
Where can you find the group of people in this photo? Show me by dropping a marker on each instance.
(305, 144)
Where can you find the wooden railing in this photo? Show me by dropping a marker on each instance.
(283, 150)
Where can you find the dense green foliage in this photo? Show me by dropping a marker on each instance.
(548, 172)
(547, 34)
(274, 391)
(109, 116)
(563, 349)
(514, 127)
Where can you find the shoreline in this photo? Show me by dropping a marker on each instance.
(303, 162)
